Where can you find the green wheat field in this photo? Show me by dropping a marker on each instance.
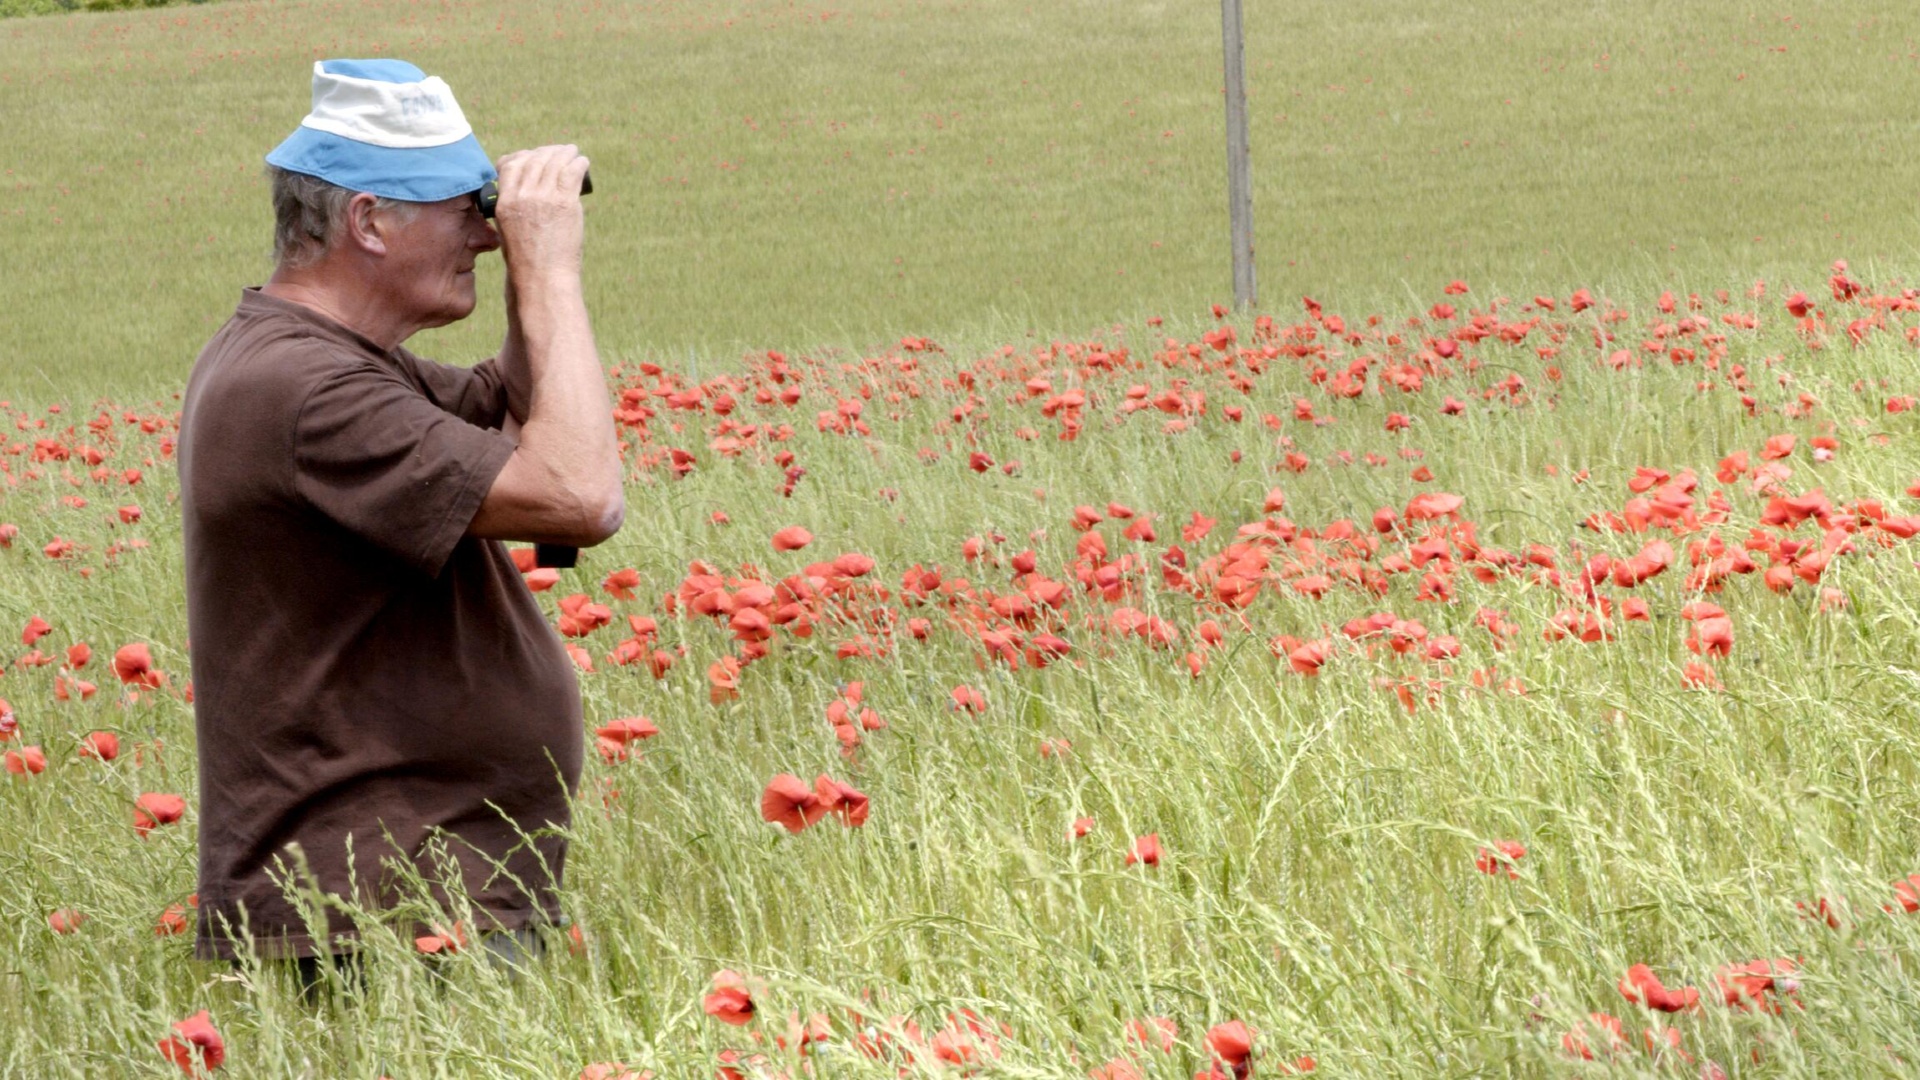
(1560, 493)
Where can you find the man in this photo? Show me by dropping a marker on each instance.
(377, 697)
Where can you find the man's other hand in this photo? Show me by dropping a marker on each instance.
(539, 215)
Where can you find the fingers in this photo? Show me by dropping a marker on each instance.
(574, 172)
(539, 213)
(547, 169)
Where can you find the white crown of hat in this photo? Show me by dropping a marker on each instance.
(406, 116)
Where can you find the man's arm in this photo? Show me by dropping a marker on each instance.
(516, 375)
(562, 484)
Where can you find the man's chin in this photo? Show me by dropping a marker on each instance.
(459, 307)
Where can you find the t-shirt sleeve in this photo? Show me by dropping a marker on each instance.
(477, 394)
(388, 464)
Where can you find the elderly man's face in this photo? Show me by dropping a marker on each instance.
(431, 260)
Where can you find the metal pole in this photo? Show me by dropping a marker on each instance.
(1239, 168)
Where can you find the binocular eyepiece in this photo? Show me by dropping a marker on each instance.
(489, 194)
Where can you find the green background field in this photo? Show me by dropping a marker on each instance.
(1002, 176)
(798, 173)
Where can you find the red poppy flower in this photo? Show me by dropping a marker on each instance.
(36, 629)
(1232, 1046)
(790, 803)
(615, 738)
(1085, 518)
(1641, 986)
(26, 761)
(730, 1001)
(150, 811)
(966, 1041)
(852, 564)
(1712, 636)
(78, 654)
(1118, 1069)
(1146, 849)
(621, 583)
(723, 680)
(1501, 858)
(66, 689)
(1154, 1031)
(1308, 657)
(1651, 562)
(627, 729)
(1611, 1035)
(791, 538)
(1429, 505)
(133, 664)
(172, 921)
(1906, 892)
(65, 920)
(580, 616)
(1750, 985)
(955, 1047)
(9, 723)
(1699, 676)
(841, 800)
(442, 940)
(750, 624)
(195, 1046)
(1822, 908)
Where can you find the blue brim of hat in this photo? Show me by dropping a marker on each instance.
(411, 174)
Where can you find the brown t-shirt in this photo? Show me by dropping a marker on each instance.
(374, 689)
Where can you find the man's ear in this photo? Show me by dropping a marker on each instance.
(362, 228)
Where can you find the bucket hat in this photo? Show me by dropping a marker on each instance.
(385, 127)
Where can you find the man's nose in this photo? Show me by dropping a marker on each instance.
(484, 237)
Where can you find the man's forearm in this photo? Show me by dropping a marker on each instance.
(568, 426)
(515, 373)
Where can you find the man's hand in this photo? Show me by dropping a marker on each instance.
(539, 215)
(563, 483)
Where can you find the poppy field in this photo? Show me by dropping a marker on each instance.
(1437, 676)
(1050, 710)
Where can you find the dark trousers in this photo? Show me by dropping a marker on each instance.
(511, 950)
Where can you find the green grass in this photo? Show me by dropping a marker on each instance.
(779, 174)
(1319, 877)
(11, 8)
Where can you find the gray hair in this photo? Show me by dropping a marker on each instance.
(307, 210)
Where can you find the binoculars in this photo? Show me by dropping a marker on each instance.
(489, 194)
(555, 556)
(558, 556)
